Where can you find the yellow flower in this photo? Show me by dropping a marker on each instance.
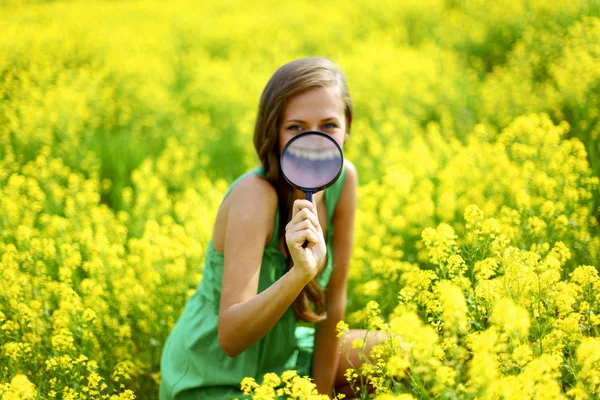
(522, 355)
(342, 328)
(271, 379)
(483, 368)
(585, 275)
(454, 307)
(248, 385)
(441, 242)
(288, 375)
(20, 388)
(511, 318)
(397, 366)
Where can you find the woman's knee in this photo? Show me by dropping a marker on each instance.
(356, 349)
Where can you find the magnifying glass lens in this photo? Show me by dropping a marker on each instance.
(312, 161)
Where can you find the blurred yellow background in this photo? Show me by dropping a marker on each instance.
(476, 138)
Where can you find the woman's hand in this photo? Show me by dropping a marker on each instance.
(305, 227)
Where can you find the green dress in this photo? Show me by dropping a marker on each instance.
(193, 365)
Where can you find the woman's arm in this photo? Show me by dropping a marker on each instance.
(245, 316)
(327, 345)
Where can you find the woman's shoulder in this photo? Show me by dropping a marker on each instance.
(253, 188)
(252, 203)
(252, 197)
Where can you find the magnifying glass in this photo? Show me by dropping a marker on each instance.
(311, 161)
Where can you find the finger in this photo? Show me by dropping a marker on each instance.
(310, 238)
(300, 226)
(297, 239)
(305, 214)
(292, 235)
(301, 204)
(308, 223)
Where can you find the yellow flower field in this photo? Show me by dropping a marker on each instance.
(477, 143)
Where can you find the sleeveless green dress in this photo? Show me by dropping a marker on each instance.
(193, 365)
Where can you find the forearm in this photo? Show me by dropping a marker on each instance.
(327, 350)
(243, 324)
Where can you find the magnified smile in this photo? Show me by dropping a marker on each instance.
(311, 162)
(314, 154)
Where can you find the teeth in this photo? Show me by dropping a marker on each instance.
(314, 155)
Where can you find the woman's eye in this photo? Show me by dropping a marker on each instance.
(330, 125)
(294, 127)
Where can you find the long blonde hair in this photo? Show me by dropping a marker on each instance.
(289, 80)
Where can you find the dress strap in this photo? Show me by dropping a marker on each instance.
(333, 194)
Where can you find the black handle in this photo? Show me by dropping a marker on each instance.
(309, 198)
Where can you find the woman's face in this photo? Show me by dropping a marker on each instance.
(318, 109)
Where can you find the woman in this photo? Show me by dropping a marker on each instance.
(258, 280)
